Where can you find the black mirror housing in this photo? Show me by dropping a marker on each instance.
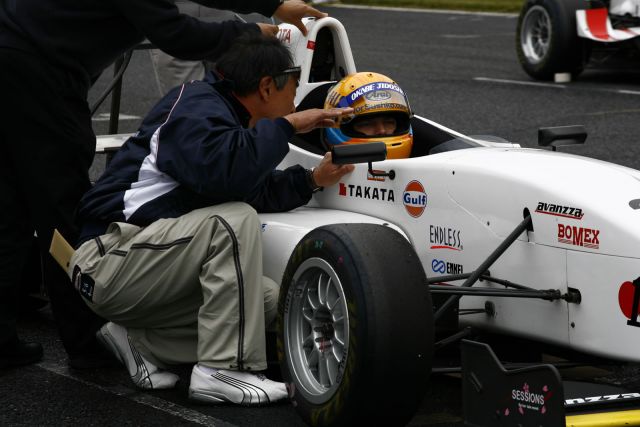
(359, 153)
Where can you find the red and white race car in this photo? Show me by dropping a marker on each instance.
(564, 36)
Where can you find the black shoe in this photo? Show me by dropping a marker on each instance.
(18, 353)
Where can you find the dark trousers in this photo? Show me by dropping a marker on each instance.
(46, 148)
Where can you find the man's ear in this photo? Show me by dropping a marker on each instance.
(265, 87)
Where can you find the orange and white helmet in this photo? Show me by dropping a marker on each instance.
(370, 95)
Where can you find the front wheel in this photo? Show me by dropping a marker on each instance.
(547, 40)
(355, 331)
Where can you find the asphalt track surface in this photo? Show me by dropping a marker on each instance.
(459, 70)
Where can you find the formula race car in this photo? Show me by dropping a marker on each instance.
(564, 36)
(539, 244)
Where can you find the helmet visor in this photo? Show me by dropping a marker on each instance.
(375, 98)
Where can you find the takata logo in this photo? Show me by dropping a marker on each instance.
(559, 210)
(579, 236)
(366, 192)
(414, 199)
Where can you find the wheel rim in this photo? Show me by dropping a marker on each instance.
(535, 36)
(316, 330)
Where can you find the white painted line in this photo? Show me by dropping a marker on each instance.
(557, 86)
(519, 82)
(414, 10)
(460, 36)
(141, 397)
(105, 117)
(629, 92)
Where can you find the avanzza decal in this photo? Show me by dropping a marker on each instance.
(366, 192)
(559, 210)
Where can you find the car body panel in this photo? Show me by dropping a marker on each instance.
(457, 207)
(595, 24)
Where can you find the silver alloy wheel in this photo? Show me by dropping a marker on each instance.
(316, 330)
(535, 35)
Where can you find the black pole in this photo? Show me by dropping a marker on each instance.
(114, 115)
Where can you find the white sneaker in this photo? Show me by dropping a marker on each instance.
(243, 388)
(144, 374)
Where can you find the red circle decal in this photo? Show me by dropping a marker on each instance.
(625, 298)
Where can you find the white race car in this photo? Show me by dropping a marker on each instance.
(562, 36)
(542, 244)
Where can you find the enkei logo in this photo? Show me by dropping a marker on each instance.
(444, 238)
(439, 266)
(578, 236)
(414, 199)
(559, 210)
(364, 192)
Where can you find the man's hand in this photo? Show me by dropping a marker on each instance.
(327, 173)
(268, 29)
(307, 120)
(292, 12)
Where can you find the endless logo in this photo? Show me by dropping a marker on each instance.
(414, 199)
(444, 238)
(559, 210)
(578, 236)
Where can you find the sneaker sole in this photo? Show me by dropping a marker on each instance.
(207, 398)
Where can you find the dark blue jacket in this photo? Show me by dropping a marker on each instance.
(194, 150)
(84, 37)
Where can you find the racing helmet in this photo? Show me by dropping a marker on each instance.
(371, 95)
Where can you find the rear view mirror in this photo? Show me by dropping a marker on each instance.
(561, 135)
(358, 153)
(362, 153)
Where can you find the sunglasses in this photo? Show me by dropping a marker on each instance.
(282, 77)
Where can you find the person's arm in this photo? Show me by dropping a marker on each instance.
(289, 11)
(282, 191)
(293, 187)
(263, 7)
(180, 35)
(203, 147)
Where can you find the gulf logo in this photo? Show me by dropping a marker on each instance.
(414, 199)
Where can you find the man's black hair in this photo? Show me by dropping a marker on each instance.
(252, 57)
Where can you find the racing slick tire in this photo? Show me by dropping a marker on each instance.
(355, 327)
(547, 41)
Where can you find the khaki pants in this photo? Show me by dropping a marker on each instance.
(187, 289)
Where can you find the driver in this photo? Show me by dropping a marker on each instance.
(381, 113)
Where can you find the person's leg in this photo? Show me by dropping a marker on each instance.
(171, 72)
(15, 240)
(156, 277)
(49, 139)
